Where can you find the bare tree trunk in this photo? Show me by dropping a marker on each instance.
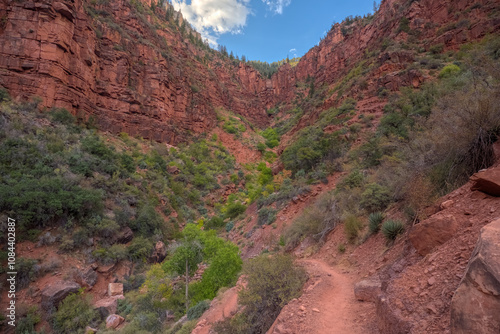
(187, 281)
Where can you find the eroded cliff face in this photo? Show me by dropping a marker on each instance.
(127, 69)
(133, 71)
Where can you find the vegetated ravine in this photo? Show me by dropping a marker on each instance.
(161, 186)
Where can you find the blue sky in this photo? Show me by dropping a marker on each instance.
(268, 30)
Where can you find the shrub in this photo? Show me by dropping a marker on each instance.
(261, 147)
(140, 249)
(235, 209)
(375, 197)
(214, 223)
(375, 219)
(4, 95)
(229, 226)
(272, 281)
(352, 225)
(62, 116)
(27, 271)
(148, 221)
(391, 229)
(267, 216)
(26, 324)
(449, 71)
(74, 314)
(315, 221)
(196, 311)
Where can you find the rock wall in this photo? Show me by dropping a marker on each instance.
(475, 307)
(129, 77)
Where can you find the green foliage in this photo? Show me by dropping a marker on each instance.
(148, 222)
(391, 229)
(233, 210)
(62, 116)
(267, 216)
(197, 311)
(4, 95)
(229, 226)
(375, 197)
(375, 219)
(352, 225)
(271, 136)
(261, 147)
(74, 313)
(404, 25)
(271, 283)
(354, 179)
(140, 249)
(27, 270)
(214, 223)
(449, 70)
(222, 257)
(26, 324)
(316, 221)
(110, 255)
(312, 146)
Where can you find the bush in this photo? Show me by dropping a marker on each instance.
(375, 197)
(315, 221)
(27, 271)
(197, 311)
(111, 255)
(26, 324)
(391, 229)
(62, 116)
(214, 223)
(148, 222)
(449, 71)
(375, 219)
(235, 209)
(271, 283)
(229, 226)
(352, 225)
(267, 216)
(4, 95)
(140, 249)
(74, 314)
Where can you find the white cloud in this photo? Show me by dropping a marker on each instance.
(211, 18)
(293, 50)
(277, 5)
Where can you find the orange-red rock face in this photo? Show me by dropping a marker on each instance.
(51, 50)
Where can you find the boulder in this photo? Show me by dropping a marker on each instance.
(475, 307)
(433, 232)
(125, 236)
(367, 290)
(487, 181)
(159, 253)
(115, 289)
(86, 277)
(108, 305)
(389, 319)
(113, 321)
(174, 170)
(53, 294)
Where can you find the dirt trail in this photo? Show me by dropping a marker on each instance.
(327, 305)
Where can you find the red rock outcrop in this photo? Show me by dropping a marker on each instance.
(476, 304)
